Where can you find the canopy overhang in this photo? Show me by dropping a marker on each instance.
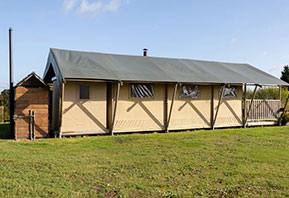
(90, 66)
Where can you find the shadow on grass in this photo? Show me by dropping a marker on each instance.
(4, 131)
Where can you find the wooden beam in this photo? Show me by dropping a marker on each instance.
(61, 109)
(212, 105)
(280, 98)
(245, 105)
(218, 107)
(285, 106)
(280, 95)
(33, 125)
(109, 103)
(115, 107)
(30, 124)
(250, 106)
(171, 108)
(166, 107)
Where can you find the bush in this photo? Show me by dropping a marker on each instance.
(285, 118)
(269, 93)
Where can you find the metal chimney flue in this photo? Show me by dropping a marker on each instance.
(145, 51)
(11, 86)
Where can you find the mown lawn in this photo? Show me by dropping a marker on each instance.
(222, 163)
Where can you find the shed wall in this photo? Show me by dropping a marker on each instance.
(35, 99)
(87, 116)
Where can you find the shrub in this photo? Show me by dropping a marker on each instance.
(285, 118)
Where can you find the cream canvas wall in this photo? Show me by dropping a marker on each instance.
(230, 112)
(84, 115)
(140, 114)
(189, 113)
(146, 114)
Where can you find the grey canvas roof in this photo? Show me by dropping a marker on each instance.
(100, 66)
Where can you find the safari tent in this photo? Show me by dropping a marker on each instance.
(97, 93)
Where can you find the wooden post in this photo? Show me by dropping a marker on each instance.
(280, 95)
(115, 107)
(212, 105)
(171, 108)
(250, 106)
(109, 103)
(285, 106)
(61, 110)
(166, 108)
(30, 124)
(3, 110)
(245, 105)
(218, 107)
(33, 125)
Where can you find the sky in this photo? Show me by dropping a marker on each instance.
(247, 31)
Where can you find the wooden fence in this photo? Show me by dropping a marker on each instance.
(263, 109)
(4, 113)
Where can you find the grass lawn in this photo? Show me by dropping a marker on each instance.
(222, 163)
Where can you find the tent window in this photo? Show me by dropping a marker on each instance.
(142, 90)
(190, 91)
(229, 92)
(84, 92)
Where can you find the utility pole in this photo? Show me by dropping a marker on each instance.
(11, 91)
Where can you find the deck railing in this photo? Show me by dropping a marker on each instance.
(263, 109)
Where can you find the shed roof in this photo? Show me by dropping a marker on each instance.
(100, 66)
(31, 80)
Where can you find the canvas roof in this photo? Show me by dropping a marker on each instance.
(100, 66)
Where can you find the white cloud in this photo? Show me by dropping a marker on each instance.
(285, 57)
(92, 7)
(276, 68)
(265, 53)
(68, 5)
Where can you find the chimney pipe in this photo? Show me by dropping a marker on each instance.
(11, 91)
(145, 52)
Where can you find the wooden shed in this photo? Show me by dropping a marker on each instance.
(31, 95)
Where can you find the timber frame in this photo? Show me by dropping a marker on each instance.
(171, 108)
(218, 107)
(246, 114)
(115, 107)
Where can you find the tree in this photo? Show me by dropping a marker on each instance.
(285, 74)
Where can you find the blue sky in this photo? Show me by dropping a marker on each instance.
(250, 31)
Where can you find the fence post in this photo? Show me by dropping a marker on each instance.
(3, 111)
(33, 124)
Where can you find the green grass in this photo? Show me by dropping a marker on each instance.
(222, 163)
